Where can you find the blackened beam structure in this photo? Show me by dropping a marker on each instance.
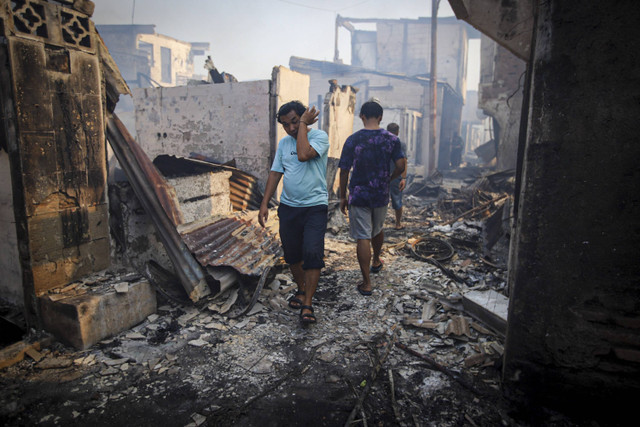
(137, 167)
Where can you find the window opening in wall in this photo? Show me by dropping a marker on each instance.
(148, 49)
(165, 60)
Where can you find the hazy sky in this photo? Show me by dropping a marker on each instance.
(248, 38)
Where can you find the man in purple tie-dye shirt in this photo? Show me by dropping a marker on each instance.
(368, 152)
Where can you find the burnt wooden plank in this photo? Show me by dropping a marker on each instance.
(15, 353)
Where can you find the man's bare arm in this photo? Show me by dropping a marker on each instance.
(303, 147)
(269, 191)
(344, 179)
(403, 182)
(401, 165)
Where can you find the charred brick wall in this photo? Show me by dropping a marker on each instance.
(574, 320)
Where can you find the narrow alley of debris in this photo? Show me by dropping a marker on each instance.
(143, 283)
(411, 354)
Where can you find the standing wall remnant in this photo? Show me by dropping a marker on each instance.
(52, 109)
(223, 121)
(287, 86)
(339, 106)
(573, 339)
(500, 96)
(506, 45)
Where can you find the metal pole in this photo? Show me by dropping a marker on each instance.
(336, 54)
(431, 166)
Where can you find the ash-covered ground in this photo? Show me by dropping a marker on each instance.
(408, 355)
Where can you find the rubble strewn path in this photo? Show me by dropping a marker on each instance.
(407, 355)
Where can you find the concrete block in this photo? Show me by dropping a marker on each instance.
(70, 264)
(205, 184)
(219, 204)
(203, 195)
(488, 307)
(83, 320)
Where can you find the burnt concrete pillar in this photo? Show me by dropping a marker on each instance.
(52, 106)
(574, 317)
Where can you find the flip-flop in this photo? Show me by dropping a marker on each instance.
(377, 268)
(363, 292)
(307, 318)
(295, 302)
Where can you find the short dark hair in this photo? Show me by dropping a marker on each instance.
(393, 128)
(371, 109)
(285, 109)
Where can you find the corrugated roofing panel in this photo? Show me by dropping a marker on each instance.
(237, 241)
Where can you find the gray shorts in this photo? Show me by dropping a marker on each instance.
(366, 223)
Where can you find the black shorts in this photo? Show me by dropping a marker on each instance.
(302, 234)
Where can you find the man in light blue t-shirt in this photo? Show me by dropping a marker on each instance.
(301, 158)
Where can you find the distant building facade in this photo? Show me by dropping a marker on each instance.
(392, 64)
(404, 99)
(404, 46)
(148, 59)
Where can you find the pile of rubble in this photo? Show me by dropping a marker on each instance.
(416, 352)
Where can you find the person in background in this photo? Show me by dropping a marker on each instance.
(396, 187)
(456, 150)
(367, 153)
(301, 158)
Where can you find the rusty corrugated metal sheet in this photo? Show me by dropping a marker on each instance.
(237, 241)
(137, 167)
(165, 193)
